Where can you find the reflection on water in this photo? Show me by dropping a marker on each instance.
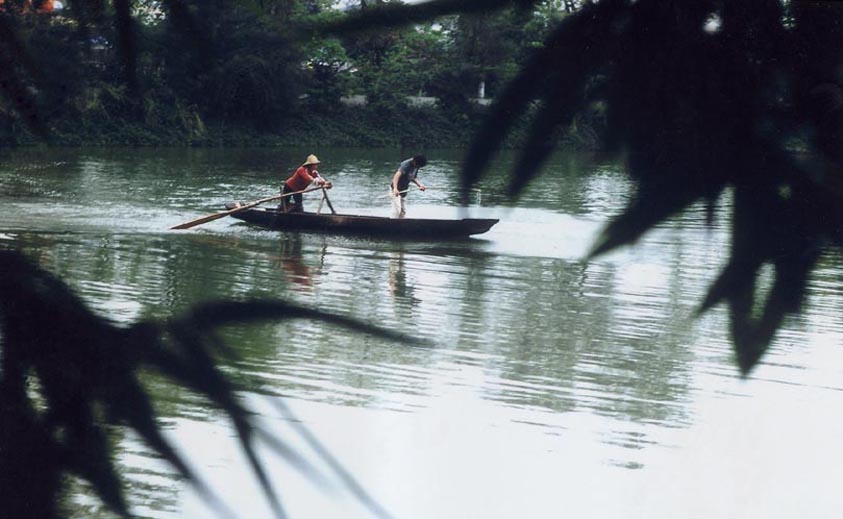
(290, 260)
(398, 279)
(548, 379)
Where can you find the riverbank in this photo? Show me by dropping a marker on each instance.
(344, 127)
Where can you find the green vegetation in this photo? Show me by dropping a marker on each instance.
(256, 73)
(344, 127)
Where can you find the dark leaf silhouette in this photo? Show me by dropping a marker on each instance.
(87, 374)
(702, 99)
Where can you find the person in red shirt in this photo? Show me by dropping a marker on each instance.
(303, 177)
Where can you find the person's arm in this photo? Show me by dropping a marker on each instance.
(322, 181)
(421, 186)
(325, 182)
(395, 179)
(317, 178)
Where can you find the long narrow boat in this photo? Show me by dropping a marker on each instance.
(427, 228)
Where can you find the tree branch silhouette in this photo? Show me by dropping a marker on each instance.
(703, 99)
(68, 375)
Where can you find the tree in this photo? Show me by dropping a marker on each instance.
(487, 46)
(408, 67)
(238, 67)
(330, 71)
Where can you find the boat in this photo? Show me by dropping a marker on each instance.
(426, 228)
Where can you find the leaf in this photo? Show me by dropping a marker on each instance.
(570, 61)
(85, 364)
(571, 36)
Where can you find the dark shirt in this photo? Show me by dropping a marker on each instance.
(409, 171)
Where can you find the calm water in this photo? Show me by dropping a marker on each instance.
(551, 387)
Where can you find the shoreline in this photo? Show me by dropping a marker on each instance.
(346, 127)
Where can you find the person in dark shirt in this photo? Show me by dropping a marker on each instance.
(407, 172)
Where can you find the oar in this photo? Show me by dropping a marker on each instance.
(477, 189)
(400, 193)
(221, 214)
(325, 196)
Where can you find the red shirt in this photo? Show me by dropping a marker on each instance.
(301, 179)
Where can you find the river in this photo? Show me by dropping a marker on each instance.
(549, 386)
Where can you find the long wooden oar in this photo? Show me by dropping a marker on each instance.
(221, 214)
(325, 196)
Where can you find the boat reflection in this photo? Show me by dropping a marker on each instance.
(299, 274)
(397, 279)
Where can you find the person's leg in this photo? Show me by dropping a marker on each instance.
(396, 204)
(284, 206)
(298, 206)
(403, 212)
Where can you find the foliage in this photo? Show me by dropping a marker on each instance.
(699, 98)
(23, 72)
(546, 15)
(180, 66)
(331, 74)
(488, 45)
(67, 376)
(242, 69)
(407, 68)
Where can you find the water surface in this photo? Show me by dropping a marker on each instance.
(551, 385)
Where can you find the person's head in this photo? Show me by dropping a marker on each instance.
(311, 162)
(419, 160)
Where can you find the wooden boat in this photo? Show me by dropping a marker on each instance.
(364, 225)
